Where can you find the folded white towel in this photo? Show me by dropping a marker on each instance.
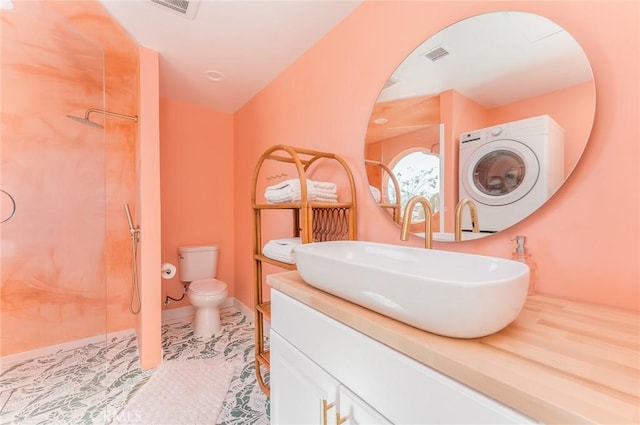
(326, 186)
(326, 199)
(293, 197)
(295, 183)
(286, 183)
(325, 192)
(281, 249)
(289, 191)
(286, 191)
(281, 196)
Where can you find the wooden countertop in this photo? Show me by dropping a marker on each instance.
(559, 362)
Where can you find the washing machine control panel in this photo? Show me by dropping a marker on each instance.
(473, 136)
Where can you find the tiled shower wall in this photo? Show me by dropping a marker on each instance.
(66, 253)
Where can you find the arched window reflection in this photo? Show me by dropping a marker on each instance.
(418, 173)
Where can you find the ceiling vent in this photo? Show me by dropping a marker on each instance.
(436, 54)
(186, 8)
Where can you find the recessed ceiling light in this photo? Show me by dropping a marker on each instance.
(380, 121)
(215, 75)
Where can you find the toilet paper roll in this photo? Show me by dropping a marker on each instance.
(168, 270)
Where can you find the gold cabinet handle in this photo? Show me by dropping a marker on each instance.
(325, 409)
(340, 420)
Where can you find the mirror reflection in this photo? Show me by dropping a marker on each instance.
(496, 108)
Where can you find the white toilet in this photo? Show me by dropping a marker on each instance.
(199, 265)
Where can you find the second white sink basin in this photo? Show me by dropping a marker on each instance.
(448, 293)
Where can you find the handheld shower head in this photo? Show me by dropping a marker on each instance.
(128, 214)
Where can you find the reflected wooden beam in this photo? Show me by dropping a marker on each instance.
(402, 116)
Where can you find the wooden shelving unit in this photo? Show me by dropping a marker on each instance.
(396, 207)
(312, 222)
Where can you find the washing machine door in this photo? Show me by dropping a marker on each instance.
(500, 172)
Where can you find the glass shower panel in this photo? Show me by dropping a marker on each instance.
(53, 271)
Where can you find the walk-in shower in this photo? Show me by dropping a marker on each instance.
(65, 269)
(53, 261)
(87, 121)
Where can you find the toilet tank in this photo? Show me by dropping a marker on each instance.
(197, 262)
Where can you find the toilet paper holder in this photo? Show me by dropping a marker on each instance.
(168, 271)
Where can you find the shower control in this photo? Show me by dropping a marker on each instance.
(135, 304)
(7, 213)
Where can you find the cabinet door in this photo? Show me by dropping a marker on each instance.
(354, 410)
(302, 393)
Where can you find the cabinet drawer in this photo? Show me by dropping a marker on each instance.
(401, 389)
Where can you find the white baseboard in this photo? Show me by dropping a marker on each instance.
(250, 315)
(243, 309)
(177, 313)
(188, 311)
(11, 359)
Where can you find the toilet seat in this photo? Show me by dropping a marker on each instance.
(208, 287)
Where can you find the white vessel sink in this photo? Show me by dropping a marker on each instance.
(447, 293)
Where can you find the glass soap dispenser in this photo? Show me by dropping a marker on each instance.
(521, 254)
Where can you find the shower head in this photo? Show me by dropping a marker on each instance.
(88, 122)
(85, 121)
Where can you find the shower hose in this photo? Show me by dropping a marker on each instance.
(134, 303)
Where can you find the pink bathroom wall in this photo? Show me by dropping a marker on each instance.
(197, 166)
(458, 113)
(425, 137)
(584, 240)
(40, 282)
(121, 94)
(68, 276)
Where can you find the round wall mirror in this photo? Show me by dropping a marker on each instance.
(504, 101)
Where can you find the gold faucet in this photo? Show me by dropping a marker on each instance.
(406, 219)
(473, 210)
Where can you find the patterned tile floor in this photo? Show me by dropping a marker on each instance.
(92, 383)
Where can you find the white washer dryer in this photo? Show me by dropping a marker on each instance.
(510, 170)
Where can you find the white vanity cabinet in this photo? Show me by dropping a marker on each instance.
(316, 358)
